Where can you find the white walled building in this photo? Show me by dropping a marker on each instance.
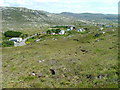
(62, 32)
(81, 30)
(16, 39)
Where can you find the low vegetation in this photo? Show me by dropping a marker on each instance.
(87, 59)
(60, 61)
(56, 31)
(7, 43)
(65, 27)
(12, 34)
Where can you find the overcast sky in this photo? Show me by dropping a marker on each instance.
(57, 6)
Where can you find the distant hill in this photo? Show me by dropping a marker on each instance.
(14, 18)
(92, 16)
(20, 18)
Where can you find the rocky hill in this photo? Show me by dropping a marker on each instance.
(98, 17)
(19, 18)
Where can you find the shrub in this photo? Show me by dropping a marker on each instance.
(53, 31)
(12, 34)
(72, 32)
(24, 35)
(60, 27)
(49, 32)
(57, 31)
(7, 43)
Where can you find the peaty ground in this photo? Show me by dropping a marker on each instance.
(79, 61)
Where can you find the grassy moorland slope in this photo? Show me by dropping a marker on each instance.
(79, 61)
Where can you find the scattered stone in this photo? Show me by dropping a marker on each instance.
(40, 75)
(52, 71)
(113, 42)
(117, 73)
(101, 76)
(114, 35)
(113, 30)
(97, 35)
(101, 39)
(11, 58)
(89, 76)
(41, 61)
(75, 52)
(83, 50)
(97, 40)
(37, 40)
(46, 44)
(111, 48)
(88, 42)
(33, 73)
(54, 39)
(103, 32)
(75, 39)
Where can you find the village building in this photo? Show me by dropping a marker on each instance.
(16, 39)
(101, 28)
(107, 26)
(81, 30)
(72, 27)
(53, 33)
(62, 32)
(68, 29)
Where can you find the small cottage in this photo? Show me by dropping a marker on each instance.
(16, 39)
(72, 27)
(68, 29)
(53, 33)
(101, 28)
(81, 30)
(62, 32)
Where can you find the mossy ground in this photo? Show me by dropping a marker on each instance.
(79, 61)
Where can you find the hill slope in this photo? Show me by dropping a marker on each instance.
(17, 18)
(85, 63)
(93, 16)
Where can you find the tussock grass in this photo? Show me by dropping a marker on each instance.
(96, 68)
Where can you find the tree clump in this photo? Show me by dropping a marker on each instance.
(12, 34)
(7, 43)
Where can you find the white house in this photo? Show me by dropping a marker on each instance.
(16, 39)
(103, 32)
(53, 33)
(81, 30)
(62, 32)
(68, 29)
(101, 28)
(71, 28)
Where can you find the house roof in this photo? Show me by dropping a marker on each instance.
(16, 38)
